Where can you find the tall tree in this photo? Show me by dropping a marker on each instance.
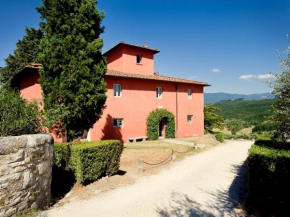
(212, 120)
(26, 52)
(281, 87)
(234, 125)
(72, 77)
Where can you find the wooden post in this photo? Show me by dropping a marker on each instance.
(141, 165)
(173, 155)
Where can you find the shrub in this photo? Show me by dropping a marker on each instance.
(269, 178)
(242, 136)
(272, 144)
(219, 136)
(89, 160)
(153, 120)
(264, 127)
(17, 115)
(61, 155)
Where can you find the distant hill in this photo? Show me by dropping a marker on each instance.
(253, 112)
(216, 97)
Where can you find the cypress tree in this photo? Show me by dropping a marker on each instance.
(26, 52)
(72, 76)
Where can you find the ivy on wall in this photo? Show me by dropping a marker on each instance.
(153, 121)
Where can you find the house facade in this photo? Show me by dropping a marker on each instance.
(134, 90)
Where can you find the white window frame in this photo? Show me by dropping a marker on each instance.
(117, 90)
(159, 92)
(118, 122)
(189, 118)
(189, 93)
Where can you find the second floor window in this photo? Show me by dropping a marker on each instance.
(138, 58)
(159, 92)
(189, 93)
(117, 90)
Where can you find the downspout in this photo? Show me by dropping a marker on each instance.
(176, 91)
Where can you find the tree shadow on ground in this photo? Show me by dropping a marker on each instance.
(223, 203)
(62, 182)
(111, 132)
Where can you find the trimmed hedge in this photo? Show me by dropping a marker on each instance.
(242, 136)
(269, 178)
(61, 155)
(153, 121)
(272, 144)
(219, 136)
(89, 160)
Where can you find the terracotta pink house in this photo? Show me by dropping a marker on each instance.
(134, 90)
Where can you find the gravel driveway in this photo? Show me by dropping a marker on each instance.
(205, 184)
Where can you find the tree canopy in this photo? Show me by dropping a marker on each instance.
(72, 76)
(26, 52)
(17, 116)
(281, 87)
(234, 125)
(212, 120)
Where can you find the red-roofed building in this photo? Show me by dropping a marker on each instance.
(134, 90)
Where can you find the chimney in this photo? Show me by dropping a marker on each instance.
(145, 45)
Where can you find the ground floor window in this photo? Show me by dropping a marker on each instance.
(118, 122)
(189, 118)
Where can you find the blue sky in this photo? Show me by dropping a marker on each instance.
(230, 44)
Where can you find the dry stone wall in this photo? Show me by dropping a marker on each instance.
(25, 172)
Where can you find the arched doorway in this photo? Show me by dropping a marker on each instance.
(160, 123)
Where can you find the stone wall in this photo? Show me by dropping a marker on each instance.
(25, 172)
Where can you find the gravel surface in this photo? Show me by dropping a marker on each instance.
(205, 184)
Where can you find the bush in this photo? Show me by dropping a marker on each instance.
(264, 127)
(153, 121)
(89, 160)
(17, 115)
(242, 136)
(61, 155)
(272, 144)
(219, 136)
(269, 178)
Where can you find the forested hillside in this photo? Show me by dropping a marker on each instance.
(253, 112)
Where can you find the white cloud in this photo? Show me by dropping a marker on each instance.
(215, 70)
(266, 76)
(247, 77)
(192, 77)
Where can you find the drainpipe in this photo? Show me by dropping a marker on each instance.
(176, 91)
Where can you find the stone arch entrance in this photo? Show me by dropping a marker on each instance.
(160, 122)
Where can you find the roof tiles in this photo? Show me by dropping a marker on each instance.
(154, 77)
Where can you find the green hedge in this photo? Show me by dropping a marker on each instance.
(266, 142)
(61, 155)
(153, 121)
(241, 136)
(89, 160)
(219, 136)
(269, 178)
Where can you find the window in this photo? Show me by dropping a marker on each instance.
(138, 58)
(189, 118)
(159, 92)
(118, 122)
(117, 90)
(189, 93)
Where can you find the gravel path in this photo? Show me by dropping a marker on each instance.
(205, 184)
